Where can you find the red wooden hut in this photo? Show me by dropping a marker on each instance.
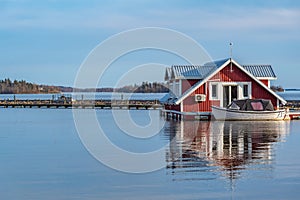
(194, 89)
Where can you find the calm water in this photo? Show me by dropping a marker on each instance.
(42, 157)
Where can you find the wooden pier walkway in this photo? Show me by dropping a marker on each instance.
(107, 104)
(102, 104)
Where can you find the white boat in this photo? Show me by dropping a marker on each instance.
(250, 109)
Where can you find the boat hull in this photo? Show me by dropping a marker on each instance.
(228, 114)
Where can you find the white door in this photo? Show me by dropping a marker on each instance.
(230, 93)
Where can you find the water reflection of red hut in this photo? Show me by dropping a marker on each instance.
(229, 146)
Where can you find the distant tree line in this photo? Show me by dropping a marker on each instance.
(277, 88)
(22, 87)
(144, 87)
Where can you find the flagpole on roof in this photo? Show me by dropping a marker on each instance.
(230, 44)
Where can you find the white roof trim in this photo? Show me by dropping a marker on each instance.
(187, 78)
(266, 78)
(167, 74)
(197, 85)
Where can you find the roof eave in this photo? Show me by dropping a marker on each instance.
(266, 78)
(190, 77)
(258, 81)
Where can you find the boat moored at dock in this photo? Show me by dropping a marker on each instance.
(249, 110)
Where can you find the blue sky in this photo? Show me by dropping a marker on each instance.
(46, 41)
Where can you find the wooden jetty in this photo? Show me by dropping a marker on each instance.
(113, 104)
(294, 114)
(101, 104)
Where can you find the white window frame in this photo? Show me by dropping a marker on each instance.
(217, 84)
(249, 90)
(240, 92)
(180, 87)
(243, 88)
(177, 88)
(171, 87)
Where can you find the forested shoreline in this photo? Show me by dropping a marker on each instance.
(22, 87)
(8, 86)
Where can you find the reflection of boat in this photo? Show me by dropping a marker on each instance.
(249, 109)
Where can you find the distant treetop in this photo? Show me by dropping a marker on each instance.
(22, 87)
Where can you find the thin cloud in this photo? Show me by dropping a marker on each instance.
(106, 18)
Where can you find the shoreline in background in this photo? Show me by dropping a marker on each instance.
(22, 87)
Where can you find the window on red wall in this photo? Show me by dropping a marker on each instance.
(214, 91)
(246, 91)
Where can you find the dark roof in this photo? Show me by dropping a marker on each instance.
(260, 70)
(217, 63)
(202, 71)
(191, 71)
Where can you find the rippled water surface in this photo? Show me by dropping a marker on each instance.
(42, 157)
